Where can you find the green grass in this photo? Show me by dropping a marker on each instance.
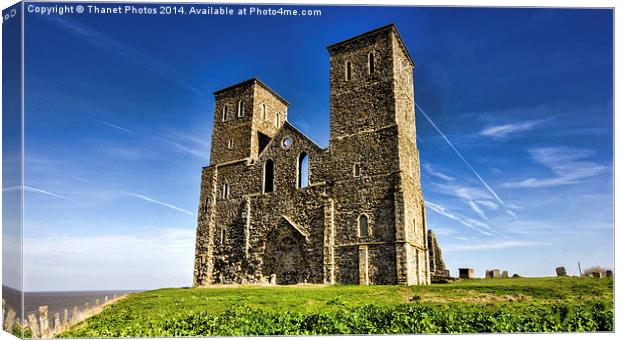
(490, 305)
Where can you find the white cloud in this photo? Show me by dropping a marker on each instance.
(466, 221)
(473, 197)
(488, 204)
(477, 210)
(505, 130)
(188, 143)
(491, 245)
(568, 165)
(512, 213)
(431, 171)
(161, 258)
(168, 205)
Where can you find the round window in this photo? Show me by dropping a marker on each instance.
(287, 142)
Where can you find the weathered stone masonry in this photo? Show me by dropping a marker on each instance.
(274, 204)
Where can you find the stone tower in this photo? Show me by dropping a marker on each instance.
(243, 125)
(357, 218)
(375, 159)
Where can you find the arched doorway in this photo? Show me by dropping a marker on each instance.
(286, 255)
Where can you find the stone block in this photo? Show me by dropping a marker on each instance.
(560, 271)
(466, 273)
(492, 274)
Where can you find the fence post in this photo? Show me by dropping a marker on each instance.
(65, 318)
(34, 327)
(3, 312)
(56, 322)
(9, 321)
(105, 299)
(43, 317)
(75, 316)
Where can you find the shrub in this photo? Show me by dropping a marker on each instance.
(371, 319)
(594, 269)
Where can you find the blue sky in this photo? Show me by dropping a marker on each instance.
(119, 112)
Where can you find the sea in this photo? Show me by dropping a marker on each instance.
(57, 302)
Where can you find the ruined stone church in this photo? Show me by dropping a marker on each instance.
(275, 207)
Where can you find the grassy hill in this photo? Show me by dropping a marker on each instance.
(489, 305)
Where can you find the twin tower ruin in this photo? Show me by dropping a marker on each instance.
(275, 207)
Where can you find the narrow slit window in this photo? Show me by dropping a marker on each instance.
(348, 70)
(357, 170)
(225, 191)
(277, 119)
(240, 109)
(225, 113)
(363, 225)
(268, 173)
(303, 170)
(230, 143)
(371, 63)
(263, 112)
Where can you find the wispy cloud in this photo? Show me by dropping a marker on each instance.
(188, 149)
(487, 186)
(506, 130)
(99, 39)
(494, 245)
(168, 205)
(113, 126)
(488, 204)
(512, 213)
(431, 171)
(35, 190)
(568, 165)
(188, 143)
(475, 198)
(466, 221)
(477, 209)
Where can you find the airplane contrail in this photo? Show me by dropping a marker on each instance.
(461, 156)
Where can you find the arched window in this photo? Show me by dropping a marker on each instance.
(362, 224)
(357, 170)
(240, 108)
(371, 62)
(268, 173)
(302, 170)
(263, 111)
(348, 70)
(277, 119)
(225, 113)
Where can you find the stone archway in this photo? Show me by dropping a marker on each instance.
(286, 255)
